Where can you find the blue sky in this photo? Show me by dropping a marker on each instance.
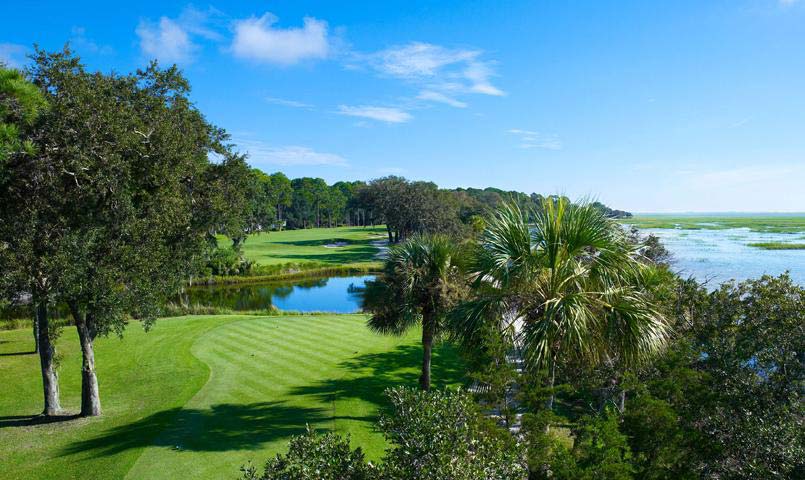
(648, 106)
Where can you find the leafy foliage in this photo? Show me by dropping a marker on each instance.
(422, 280)
(315, 457)
(440, 434)
(569, 288)
(434, 434)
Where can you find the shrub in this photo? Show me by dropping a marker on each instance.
(315, 457)
(437, 435)
(228, 261)
(441, 435)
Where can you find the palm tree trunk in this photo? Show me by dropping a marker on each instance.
(427, 351)
(90, 396)
(47, 352)
(552, 383)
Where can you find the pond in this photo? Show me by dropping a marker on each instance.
(332, 294)
(718, 255)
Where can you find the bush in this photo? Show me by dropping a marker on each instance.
(441, 435)
(228, 261)
(599, 450)
(437, 435)
(315, 457)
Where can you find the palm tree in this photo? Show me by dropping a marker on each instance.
(568, 287)
(422, 280)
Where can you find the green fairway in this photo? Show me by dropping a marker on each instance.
(328, 246)
(758, 223)
(198, 396)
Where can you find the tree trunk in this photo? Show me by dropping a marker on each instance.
(427, 351)
(622, 401)
(47, 352)
(391, 236)
(90, 397)
(36, 333)
(552, 384)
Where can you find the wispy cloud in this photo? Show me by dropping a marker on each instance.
(172, 40)
(442, 73)
(382, 114)
(287, 103)
(532, 139)
(12, 54)
(439, 97)
(166, 41)
(261, 153)
(418, 59)
(258, 39)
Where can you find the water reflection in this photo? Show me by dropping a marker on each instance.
(333, 294)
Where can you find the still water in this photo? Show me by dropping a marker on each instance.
(333, 294)
(720, 255)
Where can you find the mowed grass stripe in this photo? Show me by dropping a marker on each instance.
(335, 331)
(259, 336)
(306, 354)
(188, 399)
(286, 372)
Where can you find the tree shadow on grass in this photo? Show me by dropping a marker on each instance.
(369, 375)
(14, 354)
(32, 420)
(220, 428)
(325, 241)
(226, 427)
(354, 254)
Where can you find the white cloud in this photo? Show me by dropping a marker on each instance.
(171, 40)
(442, 72)
(420, 59)
(432, 96)
(479, 75)
(166, 41)
(257, 39)
(288, 103)
(382, 114)
(261, 153)
(202, 22)
(12, 54)
(532, 139)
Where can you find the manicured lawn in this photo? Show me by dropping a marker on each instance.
(301, 246)
(758, 223)
(197, 397)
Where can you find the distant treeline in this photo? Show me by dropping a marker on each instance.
(277, 202)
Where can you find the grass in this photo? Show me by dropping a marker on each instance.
(308, 246)
(292, 254)
(197, 397)
(756, 223)
(778, 246)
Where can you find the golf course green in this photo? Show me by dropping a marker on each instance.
(328, 246)
(196, 397)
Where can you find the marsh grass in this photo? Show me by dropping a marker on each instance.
(778, 246)
(759, 223)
